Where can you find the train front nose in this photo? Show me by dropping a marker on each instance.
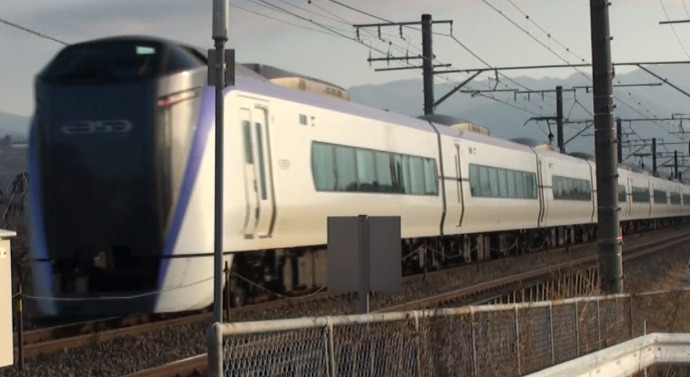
(110, 116)
(99, 191)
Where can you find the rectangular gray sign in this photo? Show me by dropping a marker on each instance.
(383, 250)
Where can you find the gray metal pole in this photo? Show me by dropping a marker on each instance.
(619, 136)
(610, 252)
(427, 65)
(559, 118)
(363, 264)
(220, 36)
(675, 164)
(653, 155)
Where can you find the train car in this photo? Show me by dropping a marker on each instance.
(568, 188)
(122, 189)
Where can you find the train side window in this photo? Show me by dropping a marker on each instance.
(346, 171)
(406, 179)
(323, 167)
(474, 180)
(399, 173)
(621, 194)
(641, 195)
(675, 198)
(503, 183)
(510, 177)
(484, 189)
(686, 199)
(532, 186)
(248, 152)
(384, 174)
(366, 171)
(519, 184)
(659, 196)
(493, 182)
(416, 175)
(430, 177)
(565, 188)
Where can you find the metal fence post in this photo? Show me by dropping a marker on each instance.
(632, 329)
(419, 339)
(20, 326)
(577, 330)
(214, 341)
(331, 349)
(474, 341)
(517, 339)
(599, 322)
(553, 348)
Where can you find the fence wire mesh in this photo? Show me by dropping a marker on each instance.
(492, 340)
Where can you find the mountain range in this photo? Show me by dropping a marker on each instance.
(638, 94)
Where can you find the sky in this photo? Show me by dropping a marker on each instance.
(317, 37)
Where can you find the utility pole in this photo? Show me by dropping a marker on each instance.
(427, 56)
(428, 68)
(559, 119)
(610, 251)
(675, 164)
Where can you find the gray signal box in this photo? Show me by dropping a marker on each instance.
(364, 255)
(6, 337)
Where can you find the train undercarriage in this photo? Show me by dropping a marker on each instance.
(268, 274)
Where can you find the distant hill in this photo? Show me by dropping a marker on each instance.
(506, 120)
(16, 126)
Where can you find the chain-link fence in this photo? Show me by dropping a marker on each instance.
(491, 340)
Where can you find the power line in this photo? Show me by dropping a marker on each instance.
(39, 34)
(673, 28)
(548, 35)
(329, 17)
(531, 36)
(279, 20)
(332, 30)
(360, 11)
(560, 57)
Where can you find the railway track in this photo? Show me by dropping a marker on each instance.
(61, 338)
(197, 365)
(470, 295)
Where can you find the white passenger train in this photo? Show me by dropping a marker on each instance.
(122, 164)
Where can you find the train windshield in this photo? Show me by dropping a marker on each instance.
(105, 62)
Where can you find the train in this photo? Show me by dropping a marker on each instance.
(121, 159)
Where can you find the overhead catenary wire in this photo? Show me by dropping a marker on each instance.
(633, 108)
(280, 20)
(34, 32)
(673, 28)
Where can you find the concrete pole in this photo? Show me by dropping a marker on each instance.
(610, 251)
(427, 65)
(559, 118)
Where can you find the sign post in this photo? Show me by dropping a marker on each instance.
(220, 36)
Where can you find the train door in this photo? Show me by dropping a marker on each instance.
(260, 201)
(541, 192)
(628, 197)
(458, 181)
